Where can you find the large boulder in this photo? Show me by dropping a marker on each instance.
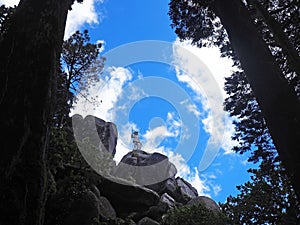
(127, 197)
(166, 203)
(207, 202)
(186, 189)
(100, 134)
(150, 170)
(106, 211)
(147, 221)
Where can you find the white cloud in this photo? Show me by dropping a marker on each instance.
(191, 108)
(203, 71)
(174, 124)
(81, 14)
(9, 2)
(182, 167)
(121, 150)
(155, 136)
(217, 189)
(198, 183)
(102, 42)
(108, 89)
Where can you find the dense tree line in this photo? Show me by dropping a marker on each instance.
(262, 39)
(269, 197)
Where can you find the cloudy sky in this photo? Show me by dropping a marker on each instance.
(169, 91)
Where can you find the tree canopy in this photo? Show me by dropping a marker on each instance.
(273, 26)
(244, 31)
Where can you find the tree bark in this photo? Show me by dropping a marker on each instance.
(277, 100)
(29, 56)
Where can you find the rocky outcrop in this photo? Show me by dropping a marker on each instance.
(100, 133)
(208, 202)
(128, 197)
(106, 211)
(141, 188)
(172, 191)
(147, 221)
(186, 189)
(146, 169)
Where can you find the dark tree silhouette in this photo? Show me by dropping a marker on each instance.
(277, 99)
(29, 60)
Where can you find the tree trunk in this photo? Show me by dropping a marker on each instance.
(29, 56)
(277, 100)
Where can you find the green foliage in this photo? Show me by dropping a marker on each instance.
(279, 28)
(269, 197)
(5, 16)
(78, 55)
(196, 214)
(101, 161)
(69, 176)
(62, 149)
(81, 69)
(278, 23)
(196, 21)
(69, 190)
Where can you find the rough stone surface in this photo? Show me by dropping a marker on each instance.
(126, 197)
(168, 200)
(106, 210)
(170, 186)
(166, 203)
(208, 202)
(100, 133)
(146, 169)
(147, 221)
(96, 191)
(187, 190)
(108, 134)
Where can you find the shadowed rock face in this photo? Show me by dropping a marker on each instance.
(100, 133)
(126, 197)
(145, 168)
(186, 189)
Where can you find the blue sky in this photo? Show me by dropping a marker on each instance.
(171, 92)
